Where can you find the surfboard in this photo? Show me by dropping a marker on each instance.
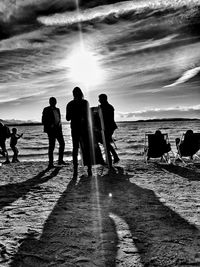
(103, 135)
(89, 143)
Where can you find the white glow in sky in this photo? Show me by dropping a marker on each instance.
(84, 68)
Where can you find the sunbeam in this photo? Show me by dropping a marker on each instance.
(84, 70)
(128, 246)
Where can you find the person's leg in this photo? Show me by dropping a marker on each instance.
(4, 150)
(75, 143)
(61, 147)
(7, 157)
(52, 141)
(89, 170)
(98, 155)
(2, 145)
(16, 152)
(108, 147)
(114, 153)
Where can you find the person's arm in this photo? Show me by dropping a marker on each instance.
(68, 112)
(59, 117)
(112, 114)
(47, 117)
(19, 136)
(44, 115)
(113, 123)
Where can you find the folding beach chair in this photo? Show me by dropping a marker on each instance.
(157, 146)
(188, 146)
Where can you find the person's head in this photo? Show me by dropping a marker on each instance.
(103, 98)
(158, 132)
(77, 93)
(1, 124)
(52, 101)
(14, 130)
(189, 133)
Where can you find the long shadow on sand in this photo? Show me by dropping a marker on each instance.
(80, 231)
(185, 172)
(11, 192)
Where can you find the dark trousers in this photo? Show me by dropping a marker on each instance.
(4, 150)
(110, 149)
(76, 136)
(53, 136)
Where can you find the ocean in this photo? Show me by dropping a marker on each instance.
(129, 139)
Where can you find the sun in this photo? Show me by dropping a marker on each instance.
(84, 68)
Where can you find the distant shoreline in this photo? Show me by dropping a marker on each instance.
(24, 124)
(159, 120)
(148, 120)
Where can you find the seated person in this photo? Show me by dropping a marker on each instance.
(189, 145)
(158, 145)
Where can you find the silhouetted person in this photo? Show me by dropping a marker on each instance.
(51, 119)
(77, 111)
(161, 142)
(4, 134)
(13, 142)
(97, 136)
(109, 127)
(189, 145)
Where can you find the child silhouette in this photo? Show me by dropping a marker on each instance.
(13, 142)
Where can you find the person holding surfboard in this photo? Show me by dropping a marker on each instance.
(77, 111)
(108, 125)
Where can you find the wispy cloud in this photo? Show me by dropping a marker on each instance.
(20, 10)
(117, 9)
(187, 75)
(30, 40)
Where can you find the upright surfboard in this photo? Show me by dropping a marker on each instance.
(89, 143)
(103, 135)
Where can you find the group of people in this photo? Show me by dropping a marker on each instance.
(83, 134)
(14, 136)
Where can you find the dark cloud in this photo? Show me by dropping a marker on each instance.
(92, 3)
(193, 22)
(21, 16)
(26, 11)
(152, 28)
(18, 17)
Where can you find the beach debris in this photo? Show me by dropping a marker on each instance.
(83, 259)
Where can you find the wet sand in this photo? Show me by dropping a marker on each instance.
(144, 215)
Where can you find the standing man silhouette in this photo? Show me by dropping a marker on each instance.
(51, 119)
(77, 111)
(109, 127)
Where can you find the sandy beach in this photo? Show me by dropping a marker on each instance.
(144, 215)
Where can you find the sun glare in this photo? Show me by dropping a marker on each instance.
(84, 68)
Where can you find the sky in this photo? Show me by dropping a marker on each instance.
(143, 54)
